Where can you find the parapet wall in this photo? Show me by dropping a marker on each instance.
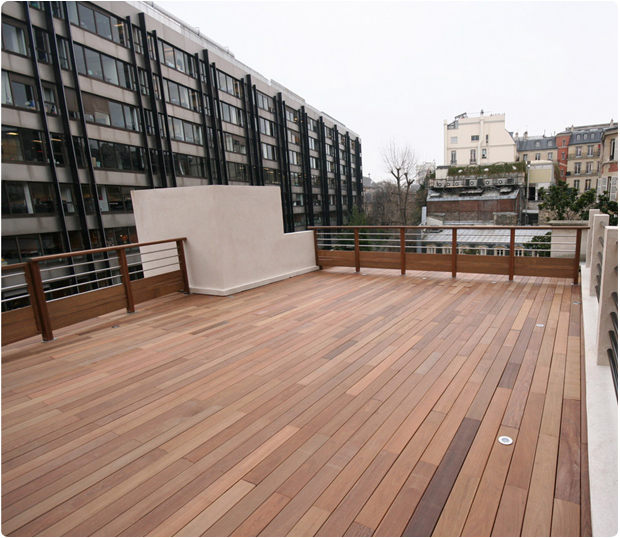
(235, 238)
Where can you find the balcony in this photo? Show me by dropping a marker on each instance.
(331, 403)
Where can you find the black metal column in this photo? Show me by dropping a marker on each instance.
(145, 137)
(307, 173)
(349, 207)
(338, 176)
(216, 126)
(284, 163)
(358, 172)
(257, 138)
(153, 99)
(47, 135)
(323, 175)
(164, 108)
(219, 132)
(205, 128)
(88, 156)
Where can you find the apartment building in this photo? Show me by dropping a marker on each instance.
(477, 140)
(608, 180)
(102, 98)
(536, 148)
(584, 156)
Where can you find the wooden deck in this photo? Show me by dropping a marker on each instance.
(328, 404)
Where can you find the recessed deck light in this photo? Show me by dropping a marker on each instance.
(505, 440)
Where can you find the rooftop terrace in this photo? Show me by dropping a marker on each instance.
(332, 403)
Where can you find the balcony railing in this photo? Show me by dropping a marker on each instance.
(51, 292)
(603, 260)
(515, 250)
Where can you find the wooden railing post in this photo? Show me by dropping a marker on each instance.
(511, 259)
(454, 247)
(183, 265)
(357, 249)
(40, 303)
(124, 268)
(316, 248)
(403, 257)
(577, 256)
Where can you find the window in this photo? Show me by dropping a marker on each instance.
(314, 163)
(578, 151)
(475, 138)
(177, 59)
(18, 91)
(231, 114)
(577, 168)
(588, 184)
(42, 45)
(264, 102)
(237, 172)
(550, 156)
(484, 153)
(576, 184)
(563, 142)
(537, 144)
(486, 139)
(235, 144)
(313, 143)
(271, 176)
(291, 115)
(537, 157)
(185, 131)
(312, 125)
(63, 52)
(292, 137)
(269, 152)
(189, 165)
(228, 84)
(578, 137)
(590, 151)
(266, 127)
(294, 157)
(454, 140)
(22, 145)
(115, 198)
(588, 168)
(103, 67)
(106, 26)
(612, 149)
(116, 156)
(453, 157)
(182, 96)
(592, 136)
(14, 39)
(25, 197)
(563, 155)
(472, 156)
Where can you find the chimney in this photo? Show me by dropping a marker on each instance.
(525, 135)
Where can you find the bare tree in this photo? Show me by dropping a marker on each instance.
(401, 162)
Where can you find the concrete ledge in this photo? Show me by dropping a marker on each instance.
(251, 285)
(602, 411)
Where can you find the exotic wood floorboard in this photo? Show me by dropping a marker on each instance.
(330, 404)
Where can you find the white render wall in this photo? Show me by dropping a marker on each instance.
(235, 238)
(500, 148)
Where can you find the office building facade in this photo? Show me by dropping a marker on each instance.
(102, 98)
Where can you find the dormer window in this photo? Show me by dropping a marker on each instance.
(538, 143)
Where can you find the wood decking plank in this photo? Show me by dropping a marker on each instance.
(332, 403)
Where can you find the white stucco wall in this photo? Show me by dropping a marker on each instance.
(235, 238)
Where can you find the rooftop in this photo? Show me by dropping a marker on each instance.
(332, 403)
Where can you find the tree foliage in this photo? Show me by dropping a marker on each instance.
(401, 162)
(566, 203)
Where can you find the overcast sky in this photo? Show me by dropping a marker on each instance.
(397, 70)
